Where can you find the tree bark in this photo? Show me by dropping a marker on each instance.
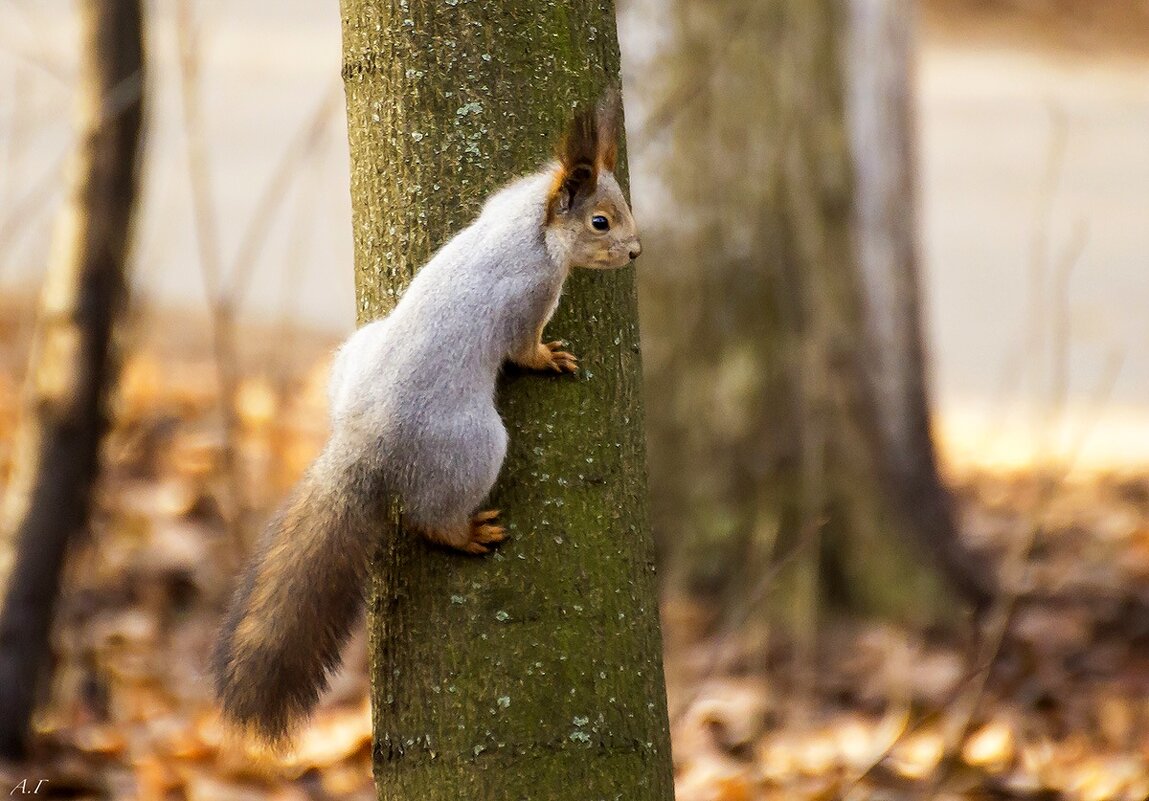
(536, 672)
(74, 362)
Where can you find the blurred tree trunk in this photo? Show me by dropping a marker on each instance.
(879, 106)
(536, 672)
(800, 403)
(73, 359)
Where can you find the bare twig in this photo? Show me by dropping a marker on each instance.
(17, 135)
(1038, 313)
(734, 624)
(226, 291)
(306, 141)
(221, 308)
(1014, 370)
(1061, 335)
(33, 55)
(33, 203)
(815, 393)
(303, 226)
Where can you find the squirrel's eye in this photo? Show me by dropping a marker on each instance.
(600, 223)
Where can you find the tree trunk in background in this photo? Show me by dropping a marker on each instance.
(761, 320)
(536, 672)
(73, 362)
(879, 112)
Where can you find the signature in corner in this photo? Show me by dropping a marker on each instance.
(24, 788)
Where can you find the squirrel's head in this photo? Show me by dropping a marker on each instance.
(586, 209)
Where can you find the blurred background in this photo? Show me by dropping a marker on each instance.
(998, 148)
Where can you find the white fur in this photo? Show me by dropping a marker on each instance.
(418, 387)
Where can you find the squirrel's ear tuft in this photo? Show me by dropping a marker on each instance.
(579, 145)
(578, 161)
(609, 115)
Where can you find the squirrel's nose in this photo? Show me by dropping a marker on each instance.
(635, 249)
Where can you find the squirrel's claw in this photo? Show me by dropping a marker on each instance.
(488, 535)
(561, 361)
(484, 533)
(549, 356)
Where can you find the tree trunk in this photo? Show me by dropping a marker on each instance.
(73, 359)
(536, 672)
(800, 404)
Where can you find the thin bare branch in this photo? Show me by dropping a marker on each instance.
(207, 238)
(306, 141)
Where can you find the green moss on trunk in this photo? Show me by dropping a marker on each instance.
(534, 673)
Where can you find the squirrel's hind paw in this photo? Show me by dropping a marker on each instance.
(475, 536)
(484, 517)
(484, 532)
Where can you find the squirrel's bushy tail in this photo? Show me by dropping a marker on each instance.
(297, 601)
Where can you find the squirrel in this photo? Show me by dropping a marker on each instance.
(412, 408)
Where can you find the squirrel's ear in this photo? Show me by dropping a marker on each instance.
(607, 121)
(570, 184)
(578, 162)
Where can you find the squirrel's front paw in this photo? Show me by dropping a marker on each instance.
(553, 357)
(548, 356)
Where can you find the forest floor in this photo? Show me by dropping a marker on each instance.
(891, 712)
